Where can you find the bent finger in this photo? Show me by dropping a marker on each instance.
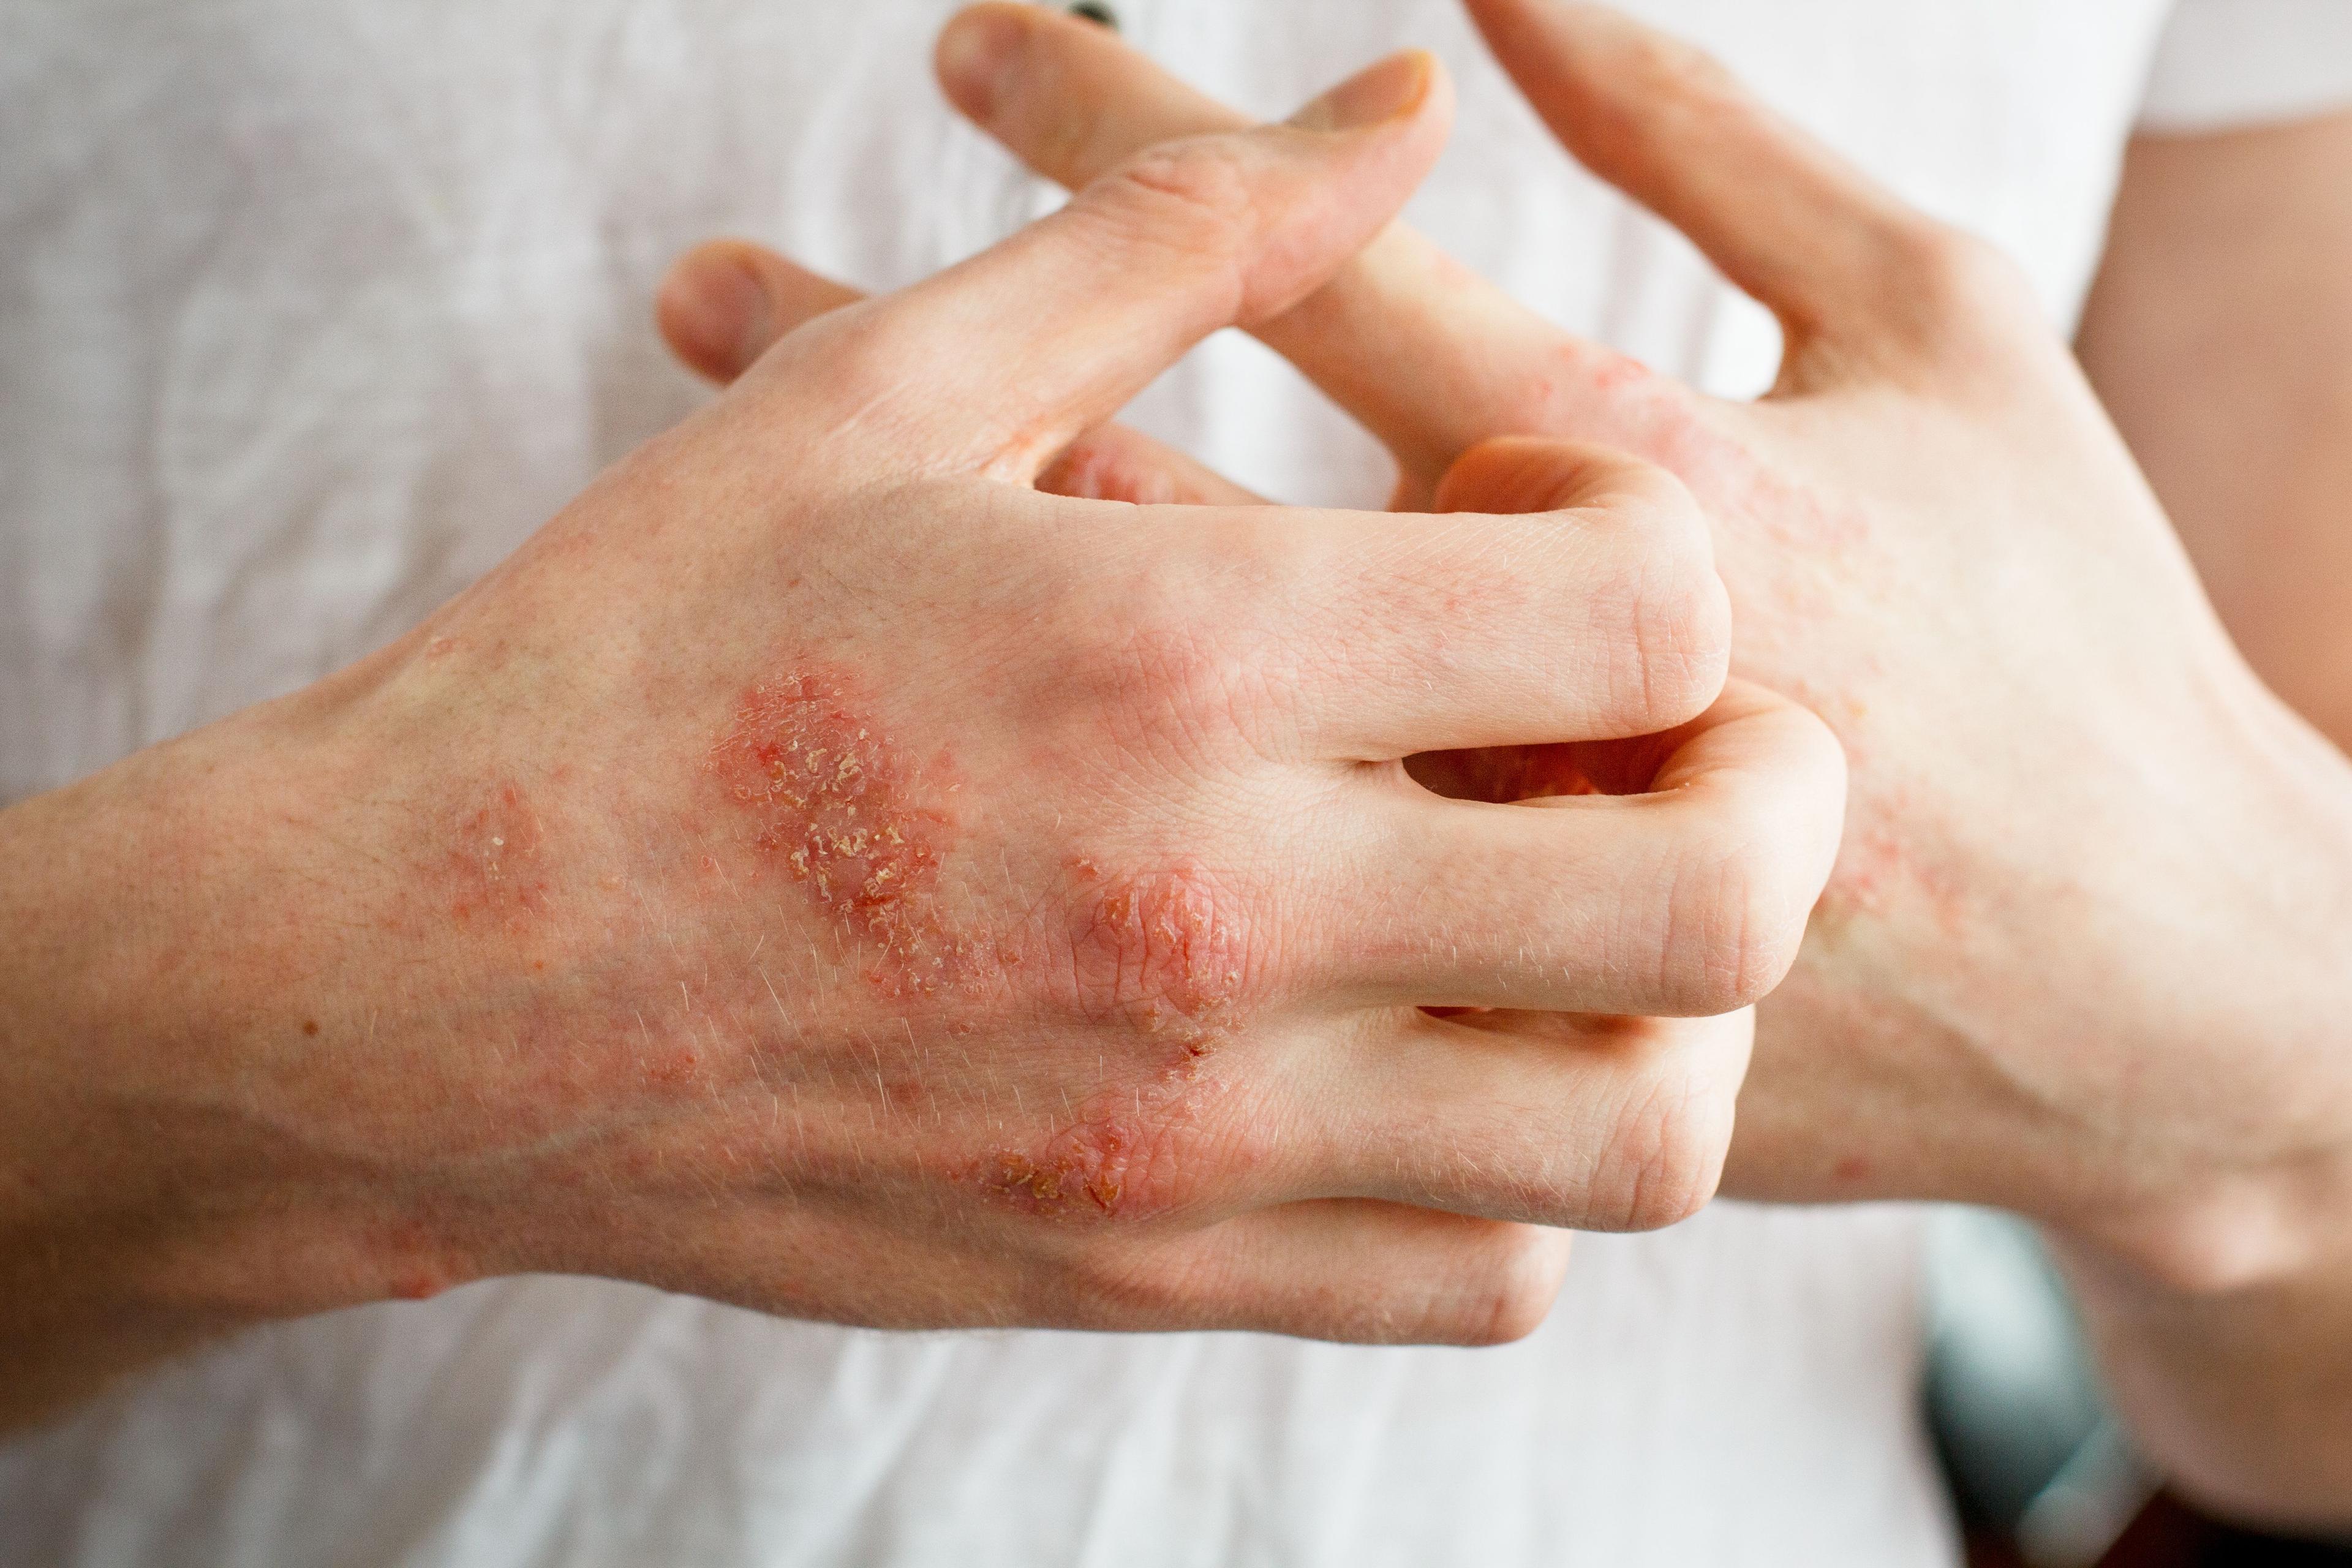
(1112, 462)
(1359, 1273)
(1686, 900)
(1347, 637)
(726, 302)
(1594, 1123)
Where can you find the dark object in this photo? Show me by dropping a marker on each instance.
(1094, 11)
(2041, 1472)
(2020, 1421)
(2169, 1534)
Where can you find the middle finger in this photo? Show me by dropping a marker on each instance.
(1432, 358)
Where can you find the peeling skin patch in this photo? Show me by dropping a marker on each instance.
(837, 807)
(1113, 1164)
(1087, 1167)
(1161, 949)
(496, 864)
(1163, 952)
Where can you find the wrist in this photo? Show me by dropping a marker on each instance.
(161, 923)
(2236, 1170)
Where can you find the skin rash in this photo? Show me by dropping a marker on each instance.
(832, 804)
(838, 808)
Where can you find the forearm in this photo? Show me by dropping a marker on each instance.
(145, 1204)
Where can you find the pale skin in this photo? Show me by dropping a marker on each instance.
(821, 871)
(2087, 954)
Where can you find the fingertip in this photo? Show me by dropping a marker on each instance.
(976, 52)
(710, 304)
(1395, 89)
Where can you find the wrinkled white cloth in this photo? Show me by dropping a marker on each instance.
(311, 310)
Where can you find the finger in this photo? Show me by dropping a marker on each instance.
(1366, 1273)
(1688, 899)
(1784, 218)
(1368, 636)
(726, 302)
(1610, 1124)
(1000, 362)
(1429, 356)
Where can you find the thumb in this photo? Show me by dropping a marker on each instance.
(1828, 251)
(724, 303)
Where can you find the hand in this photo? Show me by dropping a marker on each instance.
(822, 872)
(2083, 953)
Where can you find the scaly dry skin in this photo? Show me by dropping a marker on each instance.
(840, 810)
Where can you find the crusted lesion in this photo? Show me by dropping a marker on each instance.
(1058, 1181)
(494, 861)
(1165, 953)
(1121, 1160)
(845, 812)
(1164, 950)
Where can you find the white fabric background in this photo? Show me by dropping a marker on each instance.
(311, 310)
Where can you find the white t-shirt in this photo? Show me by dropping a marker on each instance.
(311, 310)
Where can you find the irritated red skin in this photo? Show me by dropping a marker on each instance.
(837, 807)
(1158, 949)
(831, 802)
(1163, 952)
(494, 867)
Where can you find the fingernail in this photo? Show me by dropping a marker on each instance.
(975, 55)
(1388, 90)
(720, 305)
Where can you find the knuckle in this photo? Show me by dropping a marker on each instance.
(1169, 678)
(1665, 1153)
(1510, 1290)
(1959, 283)
(1179, 690)
(1683, 77)
(1675, 649)
(2234, 1236)
(864, 358)
(1120, 1167)
(1735, 916)
(1166, 952)
(1686, 94)
(1194, 199)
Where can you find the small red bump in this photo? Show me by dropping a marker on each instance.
(673, 1068)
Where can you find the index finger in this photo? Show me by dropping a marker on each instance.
(998, 363)
(1432, 358)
